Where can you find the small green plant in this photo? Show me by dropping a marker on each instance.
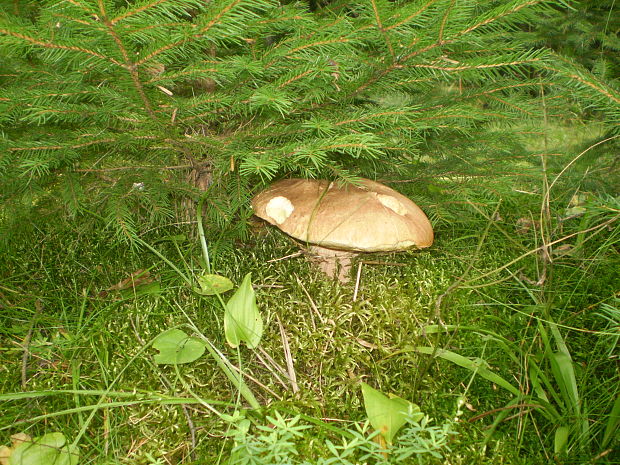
(52, 448)
(242, 321)
(388, 414)
(176, 347)
(212, 284)
(282, 439)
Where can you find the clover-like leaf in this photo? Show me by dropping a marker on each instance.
(242, 320)
(211, 284)
(176, 347)
(49, 449)
(388, 414)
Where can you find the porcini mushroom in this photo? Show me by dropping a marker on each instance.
(338, 220)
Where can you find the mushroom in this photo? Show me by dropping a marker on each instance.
(340, 220)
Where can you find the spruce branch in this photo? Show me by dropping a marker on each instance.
(80, 5)
(145, 6)
(253, 90)
(502, 11)
(409, 19)
(381, 28)
(444, 21)
(200, 31)
(129, 66)
(51, 45)
(583, 78)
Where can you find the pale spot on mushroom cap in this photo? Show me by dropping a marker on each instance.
(392, 203)
(279, 209)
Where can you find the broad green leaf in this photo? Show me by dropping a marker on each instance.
(176, 347)
(50, 449)
(574, 211)
(388, 414)
(242, 320)
(477, 365)
(560, 440)
(144, 289)
(211, 284)
(613, 421)
(562, 368)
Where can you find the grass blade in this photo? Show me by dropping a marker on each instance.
(224, 364)
(477, 366)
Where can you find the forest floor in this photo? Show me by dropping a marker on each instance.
(505, 334)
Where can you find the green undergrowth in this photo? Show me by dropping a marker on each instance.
(453, 328)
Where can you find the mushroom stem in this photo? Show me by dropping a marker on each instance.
(334, 263)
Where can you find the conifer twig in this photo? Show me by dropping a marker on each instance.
(46, 44)
(125, 168)
(382, 29)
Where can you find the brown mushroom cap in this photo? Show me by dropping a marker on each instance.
(368, 218)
